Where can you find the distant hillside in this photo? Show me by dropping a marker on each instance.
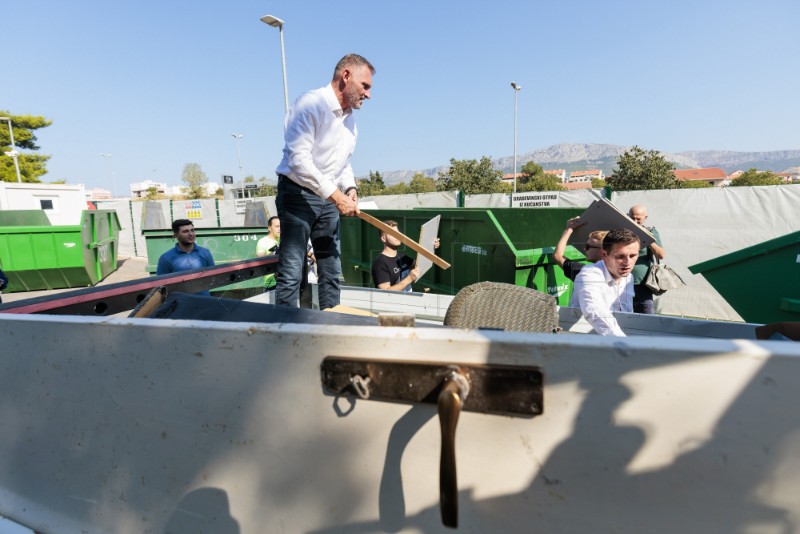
(575, 157)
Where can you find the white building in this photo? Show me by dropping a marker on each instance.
(98, 193)
(585, 176)
(140, 189)
(62, 203)
(561, 174)
(179, 190)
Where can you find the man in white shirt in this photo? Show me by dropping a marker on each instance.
(607, 286)
(269, 245)
(315, 180)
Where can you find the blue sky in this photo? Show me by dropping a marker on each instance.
(159, 84)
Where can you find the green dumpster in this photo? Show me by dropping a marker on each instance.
(226, 245)
(761, 282)
(38, 256)
(508, 245)
(23, 218)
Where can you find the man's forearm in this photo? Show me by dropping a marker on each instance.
(561, 247)
(402, 284)
(657, 250)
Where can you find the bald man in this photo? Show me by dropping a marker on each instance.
(642, 296)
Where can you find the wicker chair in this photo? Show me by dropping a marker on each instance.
(503, 306)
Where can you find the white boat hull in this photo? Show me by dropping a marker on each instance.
(123, 425)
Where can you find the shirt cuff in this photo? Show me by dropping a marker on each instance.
(326, 190)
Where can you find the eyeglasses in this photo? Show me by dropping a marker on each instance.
(587, 247)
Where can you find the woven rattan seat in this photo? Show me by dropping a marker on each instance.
(503, 306)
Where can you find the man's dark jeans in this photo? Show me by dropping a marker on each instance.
(643, 300)
(305, 215)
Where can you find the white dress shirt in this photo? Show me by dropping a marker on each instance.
(598, 295)
(320, 139)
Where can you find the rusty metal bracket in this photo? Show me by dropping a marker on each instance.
(494, 389)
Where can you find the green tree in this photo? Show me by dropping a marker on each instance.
(471, 176)
(753, 177)
(267, 189)
(421, 184)
(195, 179)
(31, 166)
(535, 179)
(152, 193)
(639, 170)
(545, 182)
(693, 184)
(396, 189)
(371, 186)
(598, 183)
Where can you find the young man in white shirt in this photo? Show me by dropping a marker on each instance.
(315, 180)
(607, 286)
(269, 245)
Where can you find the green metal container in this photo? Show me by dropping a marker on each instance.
(761, 282)
(41, 256)
(226, 245)
(508, 245)
(24, 218)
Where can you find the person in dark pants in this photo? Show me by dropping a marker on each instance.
(642, 296)
(316, 183)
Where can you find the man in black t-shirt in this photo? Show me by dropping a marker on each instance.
(391, 270)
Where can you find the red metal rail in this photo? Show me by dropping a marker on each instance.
(115, 298)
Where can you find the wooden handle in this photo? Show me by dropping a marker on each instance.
(383, 227)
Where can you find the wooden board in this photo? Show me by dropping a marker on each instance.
(416, 247)
(603, 215)
(427, 238)
(339, 308)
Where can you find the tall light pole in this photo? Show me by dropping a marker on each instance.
(113, 176)
(238, 154)
(275, 22)
(13, 152)
(517, 89)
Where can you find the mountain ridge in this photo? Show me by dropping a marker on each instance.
(583, 156)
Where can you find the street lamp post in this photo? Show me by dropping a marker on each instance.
(13, 152)
(516, 90)
(275, 22)
(113, 176)
(238, 154)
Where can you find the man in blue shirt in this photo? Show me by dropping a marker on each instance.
(186, 255)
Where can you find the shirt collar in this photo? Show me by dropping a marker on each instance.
(333, 102)
(607, 275)
(181, 251)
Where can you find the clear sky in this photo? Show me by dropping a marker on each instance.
(162, 83)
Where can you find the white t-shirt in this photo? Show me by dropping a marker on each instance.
(266, 246)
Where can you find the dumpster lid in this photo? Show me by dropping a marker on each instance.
(759, 249)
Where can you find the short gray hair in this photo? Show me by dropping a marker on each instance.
(350, 61)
